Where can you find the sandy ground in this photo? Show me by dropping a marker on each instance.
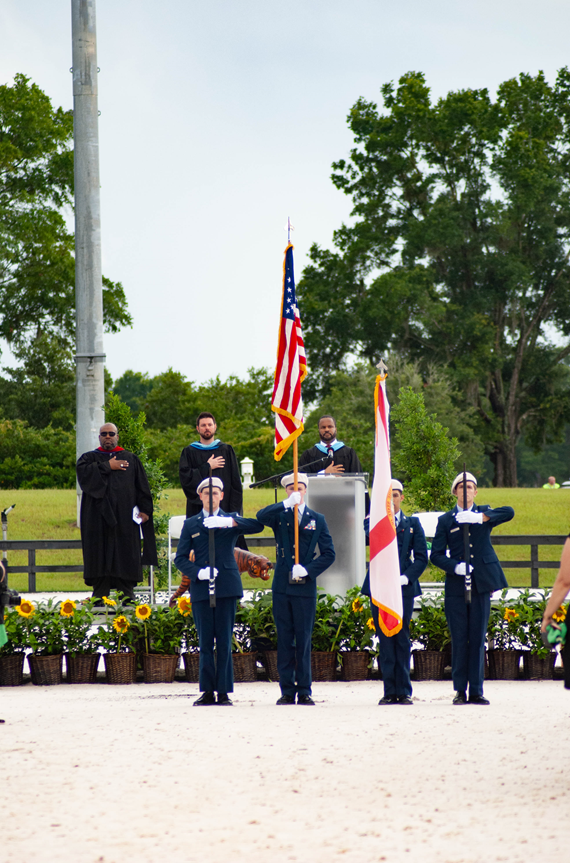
(95, 773)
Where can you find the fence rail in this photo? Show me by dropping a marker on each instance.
(534, 541)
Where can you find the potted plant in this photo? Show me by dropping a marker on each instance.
(243, 658)
(324, 637)
(263, 633)
(354, 636)
(43, 630)
(161, 628)
(430, 628)
(504, 646)
(117, 638)
(80, 641)
(13, 652)
(189, 640)
(538, 659)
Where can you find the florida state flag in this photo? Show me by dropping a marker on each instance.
(384, 568)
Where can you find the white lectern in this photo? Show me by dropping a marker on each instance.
(341, 499)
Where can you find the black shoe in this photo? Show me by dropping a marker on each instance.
(459, 699)
(405, 700)
(388, 700)
(223, 699)
(286, 700)
(305, 700)
(207, 698)
(478, 700)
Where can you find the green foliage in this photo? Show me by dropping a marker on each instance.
(34, 458)
(356, 628)
(43, 630)
(327, 620)
(426, 456)
(133, 388)
(77, 628)
(457, 254)
(164, 629)
(260, 621)
(16, 631)
(118, 633)
(503, 625)
(429, 627)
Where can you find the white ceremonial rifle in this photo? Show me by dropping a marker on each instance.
(211, 548)
(466, 530)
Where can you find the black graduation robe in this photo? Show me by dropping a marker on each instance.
(194, 467)
(344, 456)
(110, 539)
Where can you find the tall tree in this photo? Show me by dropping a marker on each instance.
(458, 253)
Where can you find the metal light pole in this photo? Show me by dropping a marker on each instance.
(89, 358)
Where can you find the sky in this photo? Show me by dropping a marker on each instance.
(221, 119)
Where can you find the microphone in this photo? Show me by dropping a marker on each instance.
(330, 454)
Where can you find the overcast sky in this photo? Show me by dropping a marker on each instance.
(219, 119)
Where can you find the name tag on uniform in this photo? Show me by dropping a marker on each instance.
(310, 526)
(452, 530)
(196, 535)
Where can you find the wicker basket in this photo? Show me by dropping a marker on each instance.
(159, 668)
(12, 670)
(245, 668)
(355, 665)
(504, 664)
(81, 669)
(429, 665)
(271, 665)
(121, 668)
(46, 671)
(538, 667)
(323, 665)
(191, 666)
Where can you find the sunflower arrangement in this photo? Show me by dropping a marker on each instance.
(42, 627)
(529, 608)
(162, 628)
(16, 630)
(353, 632)
(429, 626)
(78, 627)
(504, 626)
(117, 634)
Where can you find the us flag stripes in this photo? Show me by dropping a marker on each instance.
(291, 366)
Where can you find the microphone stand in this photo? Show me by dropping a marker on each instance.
(275, 478)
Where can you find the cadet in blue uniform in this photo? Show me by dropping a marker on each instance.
(394, 651)
(294, 586)
(468, 622)
(213, 623)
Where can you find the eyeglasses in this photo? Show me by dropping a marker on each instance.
(107, 434)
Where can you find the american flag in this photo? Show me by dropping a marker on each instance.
(291, 366)
(384, 567)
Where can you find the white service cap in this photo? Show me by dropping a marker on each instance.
(288, 479)
(396, 484)
(460, 478)
(216, 482)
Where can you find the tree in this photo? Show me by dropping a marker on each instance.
(458, 254)
(133, 389)
(37, 268)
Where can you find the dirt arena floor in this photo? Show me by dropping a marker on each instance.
(96, 773)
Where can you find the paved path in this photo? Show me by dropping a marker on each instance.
(95, 773)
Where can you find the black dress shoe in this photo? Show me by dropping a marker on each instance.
(207, 698)
(459, 699)
(305, 700)
(223, 699)
(478, 700)
(286, 700)
(388, 700)
(405, 700)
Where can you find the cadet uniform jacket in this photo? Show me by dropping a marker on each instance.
(487, 574)
(413, 556)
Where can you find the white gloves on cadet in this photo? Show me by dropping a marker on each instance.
(470, 517)
(460, 568)
(404, 580)
(205, 573)
(298, 571)
(218, 521)
(294, 498)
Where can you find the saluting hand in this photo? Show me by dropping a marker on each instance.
(469, 517)
(119, 465)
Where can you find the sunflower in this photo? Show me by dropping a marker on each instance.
(184, 606)
(109, 602)
(356, 606)
(559, 614)
(143, 612)
(371, 624)
(510, 615)
(121, 624)
(25, 609)
(67, 608)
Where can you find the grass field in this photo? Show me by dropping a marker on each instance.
(50, 514)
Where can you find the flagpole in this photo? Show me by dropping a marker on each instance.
(295, 509)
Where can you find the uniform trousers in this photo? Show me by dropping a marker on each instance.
(294, 617)
(468, 623)
(104, 586)
(394, 652)
(215, 623)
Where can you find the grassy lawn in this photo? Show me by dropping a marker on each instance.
(50, 514)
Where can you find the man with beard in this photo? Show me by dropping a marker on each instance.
(196, 461)
(343, 459)
(115, 491)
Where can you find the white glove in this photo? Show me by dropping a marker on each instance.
(470, 517)
(298, 570)
(205, 573)
(460, 568)
(218, 521)
(404, 580)
(294, 498)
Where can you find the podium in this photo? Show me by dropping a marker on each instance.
(341, 499)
